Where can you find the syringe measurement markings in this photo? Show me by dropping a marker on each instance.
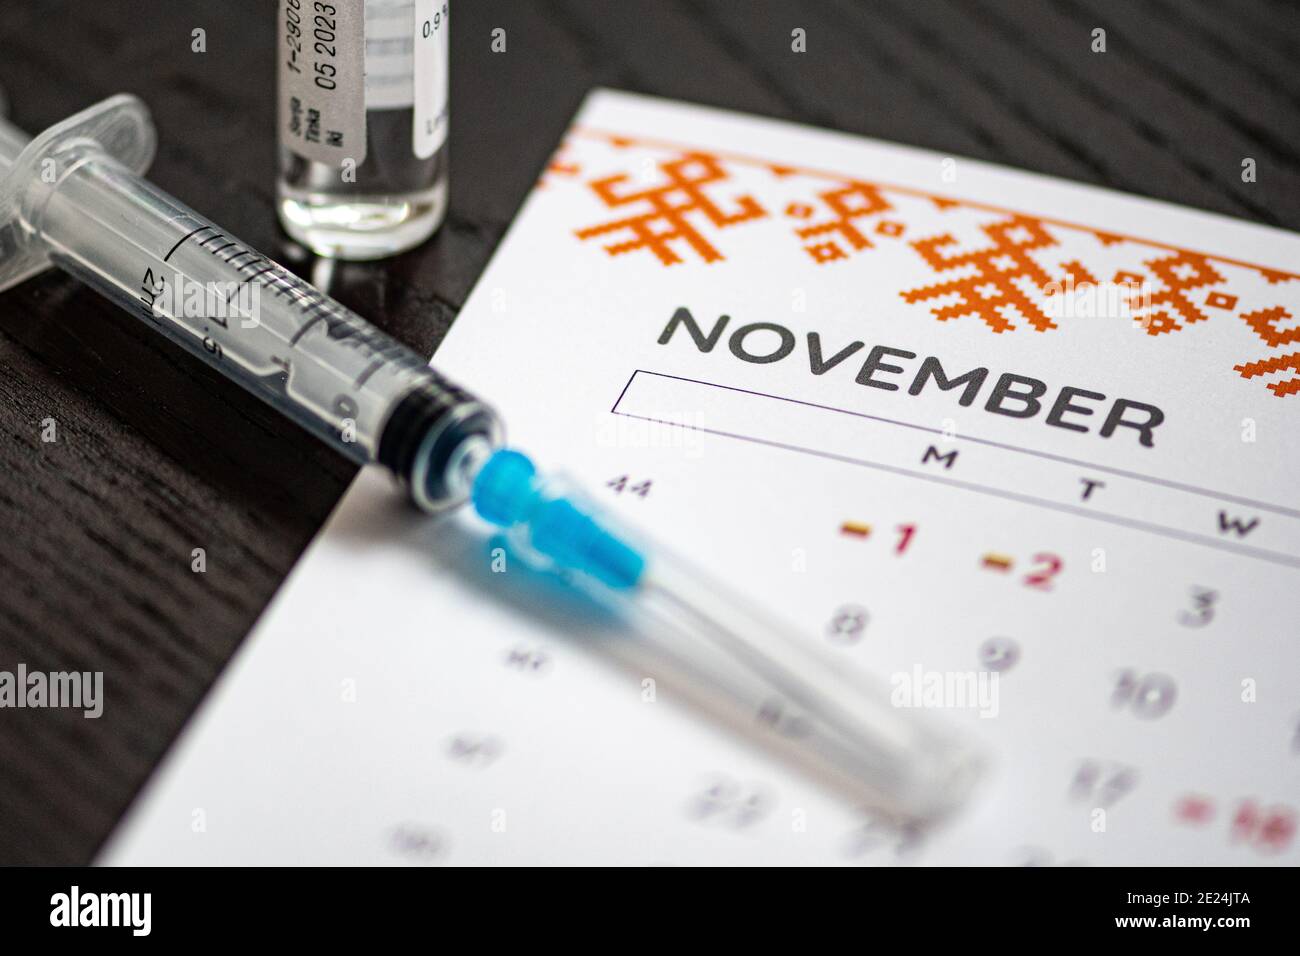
(241, 285)
(230, 259)
(247, 252)
(368, 371)
(257, 260)
(316, 306)
(253, 265)
(246, 281)
(284, 285)
(303, 329)
(182, 241)
(281, 285)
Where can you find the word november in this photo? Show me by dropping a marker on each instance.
(1012, 395)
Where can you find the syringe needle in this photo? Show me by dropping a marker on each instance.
(831, 718)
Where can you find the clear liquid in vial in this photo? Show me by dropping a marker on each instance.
(396, 200)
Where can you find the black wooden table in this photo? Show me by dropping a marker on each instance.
(155, 455)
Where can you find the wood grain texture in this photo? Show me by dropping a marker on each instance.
(157, 455)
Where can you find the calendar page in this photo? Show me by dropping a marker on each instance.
(1026, 451)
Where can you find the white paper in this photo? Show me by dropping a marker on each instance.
(400, 702)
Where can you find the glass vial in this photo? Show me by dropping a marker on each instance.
(363, 90)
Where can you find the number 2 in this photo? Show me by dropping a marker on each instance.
(1042, 577)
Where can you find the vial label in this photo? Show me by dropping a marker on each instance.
(431, 69)
(389, 55)
(323, 79)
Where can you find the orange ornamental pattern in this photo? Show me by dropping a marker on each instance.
(685, 213)
(659, 214)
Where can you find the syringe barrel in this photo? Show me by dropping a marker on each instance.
(359, 389)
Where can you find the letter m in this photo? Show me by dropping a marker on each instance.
(933, 453)
(116, 909)
(970, 383)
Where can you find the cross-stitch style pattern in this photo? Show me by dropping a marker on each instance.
(1278, 363)
(665, 210)
(846, 205)
(1178, 275)
(991, 292)
(1264, 323)
(995, 279)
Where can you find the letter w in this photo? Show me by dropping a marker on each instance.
(1227, 524)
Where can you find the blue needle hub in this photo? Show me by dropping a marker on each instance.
(508, 492)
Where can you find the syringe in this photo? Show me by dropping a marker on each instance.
(74, 197)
